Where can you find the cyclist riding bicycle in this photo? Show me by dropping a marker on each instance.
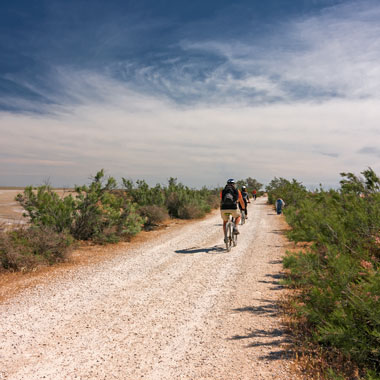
(230, 197)
(244, 194)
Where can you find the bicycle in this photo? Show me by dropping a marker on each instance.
(230, 238)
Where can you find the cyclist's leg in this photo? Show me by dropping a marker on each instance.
(224, 227)
(230, 233)
(236, 215)
(225, 220)
(234, 239)
(226, 237)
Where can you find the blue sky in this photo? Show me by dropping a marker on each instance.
(200, 90)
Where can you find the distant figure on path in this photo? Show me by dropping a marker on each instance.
(254, 194)
(245, 195)
(279, 206)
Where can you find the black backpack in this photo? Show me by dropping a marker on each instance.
(229, 196)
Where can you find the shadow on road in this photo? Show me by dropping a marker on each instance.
(278, 232)
(192, 250)
(267, 307)
(277, 340)
(276, 280)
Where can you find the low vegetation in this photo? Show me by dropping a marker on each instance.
(27, 248)
(100, 212)
(175, 200)
(337, 278)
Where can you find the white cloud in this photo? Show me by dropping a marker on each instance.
(335, 53)
(140, 136)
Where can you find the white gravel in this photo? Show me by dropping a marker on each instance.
(180, 307)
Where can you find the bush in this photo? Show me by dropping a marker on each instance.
(153, 214)
(339, 275)
(97, 212)
(27, 248)
(179, 201)
(191, 211)
(46, 208)
(292, 192)
(104, 214)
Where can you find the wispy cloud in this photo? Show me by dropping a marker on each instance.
(370, 150)
(332, 55)
(300, 102)
(143, 136)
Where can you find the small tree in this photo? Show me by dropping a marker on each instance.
(97, 212)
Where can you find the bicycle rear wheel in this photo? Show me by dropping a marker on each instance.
(229, 236)
(234, 239)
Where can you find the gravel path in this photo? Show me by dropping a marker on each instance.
(179, 307)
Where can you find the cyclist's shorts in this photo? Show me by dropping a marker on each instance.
(234, 213)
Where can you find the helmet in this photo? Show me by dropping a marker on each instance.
(231, 181)
(244, 187)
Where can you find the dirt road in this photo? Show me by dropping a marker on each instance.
(179, 307)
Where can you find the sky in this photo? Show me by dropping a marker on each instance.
(198, 90)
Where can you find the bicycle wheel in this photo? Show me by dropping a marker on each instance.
(234, 239)
(229, 236)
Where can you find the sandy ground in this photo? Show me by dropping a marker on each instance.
(10, 210)
(176, 306)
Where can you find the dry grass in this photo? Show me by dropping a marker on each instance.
(153, 214)
(23, 249)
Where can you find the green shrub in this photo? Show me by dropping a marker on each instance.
(102, 213)
(339, 274)
(97, 212)
(292, 192)
(179, 200)
(46, 208)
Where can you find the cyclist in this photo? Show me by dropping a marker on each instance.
(244, 194)
(230, 197)
(254, 194)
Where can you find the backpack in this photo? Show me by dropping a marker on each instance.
(229, 196)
